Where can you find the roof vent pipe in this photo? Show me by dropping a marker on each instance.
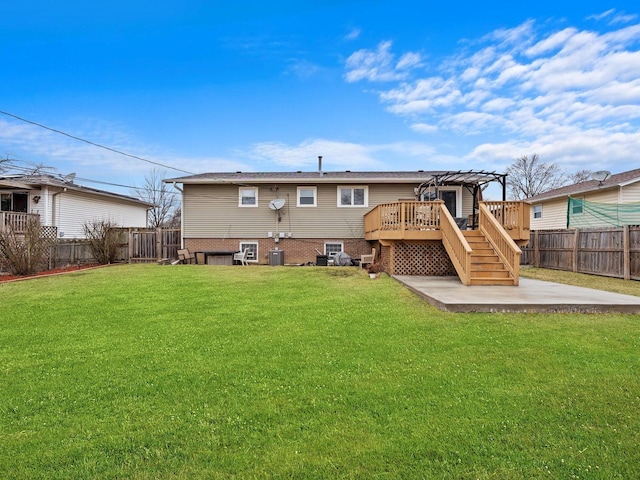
(320, 165)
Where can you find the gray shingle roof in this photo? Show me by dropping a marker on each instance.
(418, 176)
(589, 186)
(20, 181)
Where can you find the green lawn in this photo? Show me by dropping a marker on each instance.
(182, 372)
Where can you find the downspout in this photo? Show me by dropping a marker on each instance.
(181, 214)
(53, 208)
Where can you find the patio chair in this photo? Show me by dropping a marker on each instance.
(185, 256)
(368, 258)
(241, 257)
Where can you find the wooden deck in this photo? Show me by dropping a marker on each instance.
(475, 254)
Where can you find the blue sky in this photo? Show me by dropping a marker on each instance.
(209, 86)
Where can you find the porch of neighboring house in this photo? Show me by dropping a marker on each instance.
(423, 238)
(17, 221)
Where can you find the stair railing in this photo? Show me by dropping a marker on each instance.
(506, 249)
(456, 245)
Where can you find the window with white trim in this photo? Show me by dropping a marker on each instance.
(307, 196)
(353, 196)
(577, 205)
(252, 250)
(331, 248)
(537, 211)
(248, 197)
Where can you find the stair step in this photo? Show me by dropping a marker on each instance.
(482, 266)
(491, 281)
(490, 274)
(487, 258)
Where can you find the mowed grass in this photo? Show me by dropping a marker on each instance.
(609, 284)
(182, 372)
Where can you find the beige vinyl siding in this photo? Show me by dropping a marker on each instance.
(554, 215)
(74, 209)
(605, 196)
(211, 211)
(630, 193)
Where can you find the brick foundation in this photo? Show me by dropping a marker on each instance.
(296, 251)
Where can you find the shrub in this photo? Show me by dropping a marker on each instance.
(24, 252)
(102, 236)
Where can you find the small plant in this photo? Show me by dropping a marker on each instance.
(375, 267)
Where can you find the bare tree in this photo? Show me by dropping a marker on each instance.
(530, 176)
(158, 194)
(580, 176)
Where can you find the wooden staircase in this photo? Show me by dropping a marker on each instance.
(486, 266)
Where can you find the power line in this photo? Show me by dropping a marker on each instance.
(102, 182)
(93, 143)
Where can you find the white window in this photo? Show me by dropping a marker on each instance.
(331, 248)
(252, 250)
(577, 206)
(537, 211)
(349, 196)
(248, 197)
(307, 196)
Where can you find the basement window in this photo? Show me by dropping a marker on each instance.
(252, 250)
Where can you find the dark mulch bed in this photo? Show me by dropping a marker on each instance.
(44, 273)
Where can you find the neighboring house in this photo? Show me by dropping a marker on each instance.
(552, 210)
(304, 215)
(60, 203)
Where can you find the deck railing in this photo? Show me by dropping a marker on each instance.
(403, 217)
(17, 221)
(406, 219)
(500, 240)
(512, 216)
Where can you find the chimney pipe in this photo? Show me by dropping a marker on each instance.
(320, 165)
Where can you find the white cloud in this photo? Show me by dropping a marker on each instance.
(424, 128)
(565, 93)
(336, 155)
(380, 65)
(353, 34)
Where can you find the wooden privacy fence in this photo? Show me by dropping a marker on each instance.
(152, 244)
(135, 245)
(611, 252)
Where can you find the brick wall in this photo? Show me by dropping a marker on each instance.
(296, 251)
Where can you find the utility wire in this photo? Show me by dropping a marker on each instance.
(93, 143)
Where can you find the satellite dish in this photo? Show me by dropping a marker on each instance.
(276, 203)
(600, 175)
(69, 178)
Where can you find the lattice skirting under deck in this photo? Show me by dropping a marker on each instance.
(417, 258)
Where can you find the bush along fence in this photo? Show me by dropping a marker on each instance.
(133, 245)
(610, 252)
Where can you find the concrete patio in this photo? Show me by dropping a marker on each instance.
(449, 294)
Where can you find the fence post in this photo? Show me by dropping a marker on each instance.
(574, 259)
(536, 249)
(130, 233)
(159, 243)
(626, 254)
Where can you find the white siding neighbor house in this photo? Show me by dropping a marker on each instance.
(66, 205)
